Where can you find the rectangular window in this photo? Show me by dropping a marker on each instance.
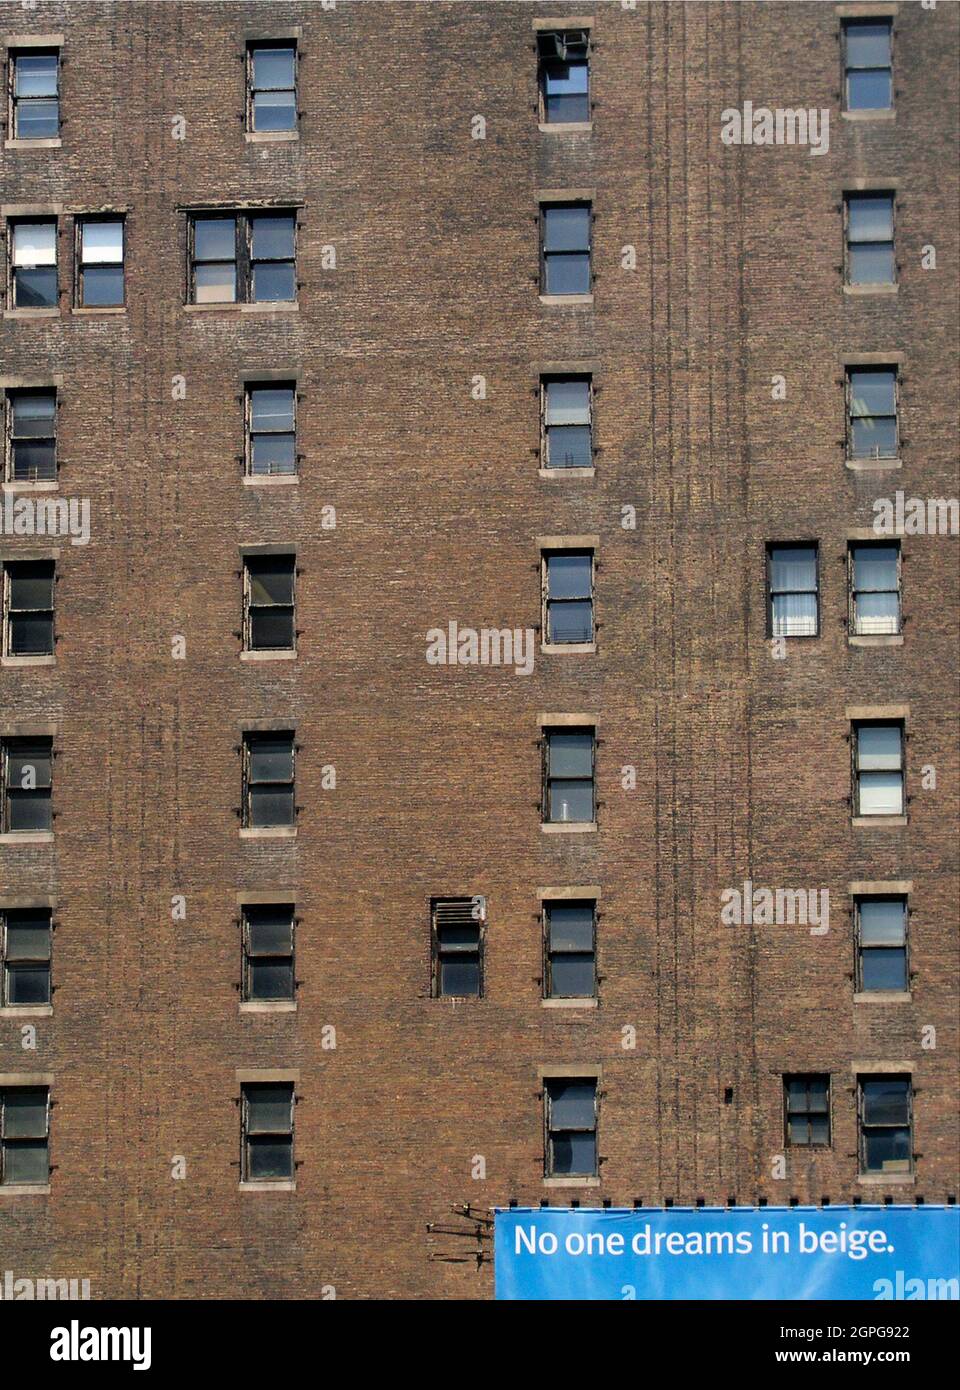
(875, 588)
(268, 952)
(35, 91)
(886, 1124)
(868, 63)
(24, 1135)
(564, 70)
(878, 770)
(271, 429)
(567, 422)
(267, 1121)
(570, 950)
(268, 591)
(870, 259)
(569, 775)
(457, 947)
(268, 798)
(568, 596)
(31, 444)
(872, 412)
(28, 608)
(571, 1127)
(272, 86)
(793, 588)
(27, 764)
(881, 928)
(25, 941)
(245, 257)
(565, 239)
(33, 264)
(100, 262)
(806, 1106)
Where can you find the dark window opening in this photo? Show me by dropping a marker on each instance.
(807, 1110)
(571, 1127)
(33, 264)
(268, 952)
(24, 1135)
(565, 239)
(31, 436)
(570, 940)
(268, 780)
(27, 784)
(564, 67)
(870, 258)
(25, 950)
(271, 429)
(100, 263)
(568, 596)
(872, 412)
(35, 89)
(269, 582)
(457, 926)
(886, 1124)
(267, 1121)
(272, 85)
(569, 776)
(28, 608)
(567, 422)
(881, 927)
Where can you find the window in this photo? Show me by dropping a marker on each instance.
(793, 585)
(886, 1124)
(571, 1127)
(35, 89)
(271, 429)
(875, 589)
(26, 784)
(569, 762)
(878, 769)
(568, 596)
(33, 264)
(565, 234)
(872, 406)
(247, 257)
(570, 948)
(564, 76)
(272, 86)
(457, 947)
(268, 780)
(567, 427)
(806, 1104)
(267, 1120)
(25, 939)
(268, 602)
(870, 239)
(28, 608)
(31, 453)
(268, 952)
(99, 263)
(869, 64)
(24, 1135)
(881, 925)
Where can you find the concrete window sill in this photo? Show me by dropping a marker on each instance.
(268, 832)
(566, 127)
(877, 639)
(91, 311)
(865, 822)
(31, 1189)
(886, 1179)
(15, 487)
(883, 996)
(858, 290)
(567, 648)
(568, 472)
(28, 661)
(570, 1003)
(268, 656)
(231, 306)
(27, 837)
(48, 144)
(885, 114)
(26, 1011)
(271, 137)
(286, 1186)
(872, 465)
(571, 1182)
(270, 479)
(31, 313)
(568, 827)
(581, 299)
(268, 1006)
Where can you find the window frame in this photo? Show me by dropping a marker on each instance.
(8, 576)
(250, 609)
(251, 90)
(250, 737)
(7, 743)
(859, 724)
(548, 906)
(248, 956)
(439, 953)
(81, 266)
(244, 264)
(807, 1112)
(860, 947)
(849, 196)
(547, 603)
(850, 369)
(845, 25)
(543, 62)
(34, 962)
(249, 432)
(863, 1126)
(6, 1143)
(33, 219)
(887, 543)
(11, 394)
(31, 51)
(792, 545)
(559, 204)
(547, 379)
(246, 1134)
(545, 736)
(549, 1160)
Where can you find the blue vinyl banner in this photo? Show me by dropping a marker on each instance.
(777, 1253)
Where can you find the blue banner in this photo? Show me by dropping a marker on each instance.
(779, 1253)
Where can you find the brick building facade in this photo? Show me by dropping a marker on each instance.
(718, 337)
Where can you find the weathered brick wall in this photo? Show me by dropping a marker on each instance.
(741, 761)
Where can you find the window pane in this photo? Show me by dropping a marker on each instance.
(870, 217)
(868, 44)
(570, 926)
(28, 936)
(798, 1129)
(273, 67)
(271, 759)
(271, 979)
(877, 614)
(273, 453)
(274, 111)
(793, 567)
(878, 746)
(818, 1093)
(31, 586)
(271, 579)
(794, 615)
(271, 806)
(566, 228)
(273, 281)
(28, 765)
(271, 409)
(30, 636)
(26, 1162)
(872, 265)
(269, 1159)
(459, 938)
(887, 1151)
(34, 460)
(869, 91)
(882, 921)
(574, 1154)
(272, 238)
(215, 284)
(28, 984)
(569, 575)
(25, 1113)
(271, 629)
(565, 79)
(35, 289)
(796, 1089)
(881, 794)
(874, 439)
(102, 241)
(568, 402)
(572, 977)
(571, 622)
(215, 238)
(37, 119)
(459, 977)
(269, 1108)
(875, 567)
(269, 930)
(28, 810)
(34, 243)
(569, 446)
(33, 414)
(571, 754)
(102, 287)
(35, 75)
(572, 1104)
(568, 274)
(873, 392)
(884, 968)
(819, 1129)
(571, 801)
(886, 1100)
(566, 108)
